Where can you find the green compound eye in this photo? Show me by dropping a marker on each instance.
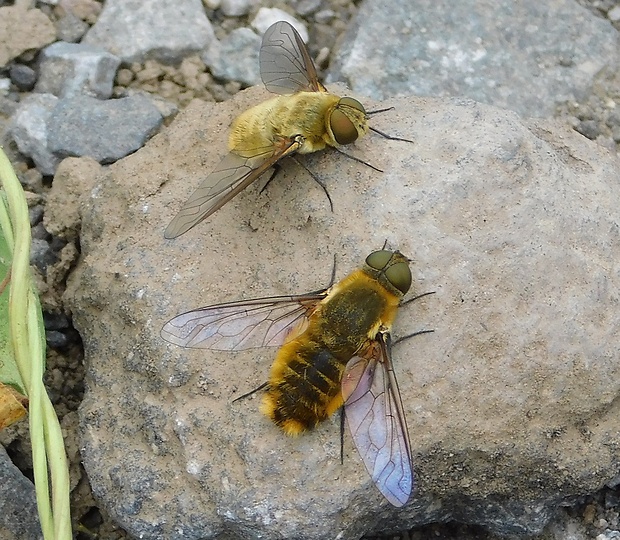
(350, 102)
(340, 121)
(378, 259)
(343, 129)
(399, 275)
(396, 271)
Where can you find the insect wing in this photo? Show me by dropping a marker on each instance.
(375, 415)
(236, 326)
(285, 63)
(233, 174)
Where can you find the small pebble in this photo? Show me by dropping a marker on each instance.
(35, 214)
(22, 76)
(589, 513)
(614, 14)
(324, 16)
(124, 77)
(40, 233)
(40, 254)
(71, 28)
(235, 8)
(55, 321)
(32, 180)
(589, 129)
(56, 340)
(307, 7)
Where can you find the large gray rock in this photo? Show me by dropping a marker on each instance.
(104, 130)
(525, 56)
(136, 30)
(73, 69)
(512, 403)
(29, 130)
(235, 58)
(49, 129)
(18, 506)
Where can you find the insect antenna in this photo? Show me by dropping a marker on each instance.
(248, 394)
(370, 113)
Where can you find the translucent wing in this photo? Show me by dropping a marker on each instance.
(374, 413)
(236, 326)
(233, 174)
(285, 63)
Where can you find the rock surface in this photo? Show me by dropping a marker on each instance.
(527, 56)
(18, 508)
(103, 130)
(511, 403)
(49, 129)
(21, 30)
(265, 17)
(235, 58)
(29, 130)
(73, 69)
(139, 30)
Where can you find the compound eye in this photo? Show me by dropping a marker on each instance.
(353, 103)
(343, 129)
(399, 275)
(379, 259)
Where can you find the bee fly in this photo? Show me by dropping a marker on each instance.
(304, 118)
(334, 351)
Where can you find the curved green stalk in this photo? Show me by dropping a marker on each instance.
(28, 342)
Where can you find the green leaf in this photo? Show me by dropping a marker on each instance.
(9, 374)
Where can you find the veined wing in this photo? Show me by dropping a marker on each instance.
(233, 174)
(285, 63)
(376, 419)
(236, 326)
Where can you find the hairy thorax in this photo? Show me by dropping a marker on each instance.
(304, 386)
(304, 113)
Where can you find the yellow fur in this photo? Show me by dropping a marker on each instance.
(304, 113)
(338, 328)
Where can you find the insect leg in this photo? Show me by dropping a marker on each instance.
(416, 298)
(385, 135)
(420, 331)
(333, 278)
(390, 137)
(250, 392)
(357, 159)
(410, 336)
(342, 419)
(276, 169)
(317, 180)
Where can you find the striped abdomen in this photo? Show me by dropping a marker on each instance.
(304, 386)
